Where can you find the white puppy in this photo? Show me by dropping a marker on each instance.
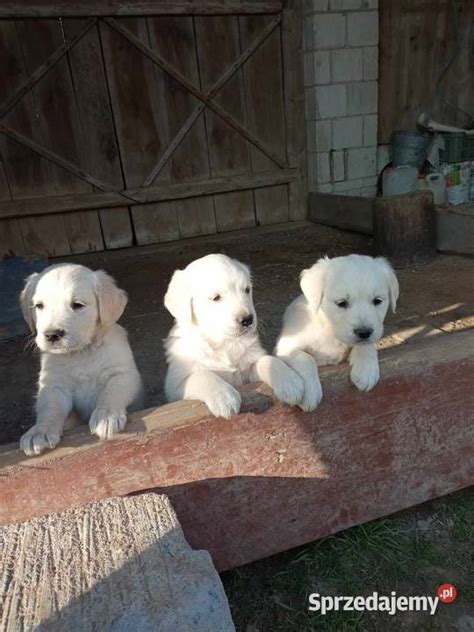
(340, 313)
(87, 365)
(214, 345)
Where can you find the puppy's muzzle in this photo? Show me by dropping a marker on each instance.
(247, 321)
(54, 335)
(363, 333)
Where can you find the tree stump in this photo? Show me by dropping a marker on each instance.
(404, 228)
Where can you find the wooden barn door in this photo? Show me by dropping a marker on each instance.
(147, 121)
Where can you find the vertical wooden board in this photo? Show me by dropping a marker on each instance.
(28, 175)
(293, 75)
(95, 113)
(136, 103)
(84, 232)
(40, 235)
(155, 222)
(196, 216)
(271, 205)
(228, 151)
(173, 38)
(234, 210)
(218, 46)
(138, 110)
(61, 126)
(11, 241)
(116, 227)
(264, 91)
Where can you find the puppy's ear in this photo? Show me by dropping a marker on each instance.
(26, 300)
(111, 299)
(392, 281)
(178, 297)
(312, 283)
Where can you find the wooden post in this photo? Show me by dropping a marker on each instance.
(274, 477)
(404, 228)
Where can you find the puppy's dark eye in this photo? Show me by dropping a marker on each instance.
(343, 304)
(247, 290)
(216, 298)
(377, 300)
(76, 305)
(39, 305)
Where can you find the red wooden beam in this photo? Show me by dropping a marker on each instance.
(274, 477)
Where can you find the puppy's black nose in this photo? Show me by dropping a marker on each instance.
(363, 332)
(247, 320)
(53, 335)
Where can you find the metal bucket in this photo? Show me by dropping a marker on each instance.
(409, 148)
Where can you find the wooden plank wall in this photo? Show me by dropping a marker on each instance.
(424, 62)
(110, 110)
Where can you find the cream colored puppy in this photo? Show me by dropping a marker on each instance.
(87, 365)
(339, 314)
(214, 345)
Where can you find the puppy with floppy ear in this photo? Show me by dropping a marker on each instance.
(87, 365)
(214, 346)
(339, 314)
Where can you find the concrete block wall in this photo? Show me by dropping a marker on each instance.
(341, 91)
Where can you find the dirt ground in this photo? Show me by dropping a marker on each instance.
(435, 298)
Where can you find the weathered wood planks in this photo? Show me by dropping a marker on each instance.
(274, 477)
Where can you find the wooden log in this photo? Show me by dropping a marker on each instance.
(405, 229)
(118, 564)
(272, 478)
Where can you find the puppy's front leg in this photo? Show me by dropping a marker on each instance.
(286, 384)
(365, 367)
(222, 399)
(110, 413)
(52, 409)
(305, 366)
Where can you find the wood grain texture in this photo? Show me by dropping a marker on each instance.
(122, 563)
(358, 457)
(68, 203)
(81, 8)
(424, 63)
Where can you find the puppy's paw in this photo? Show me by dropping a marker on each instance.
(365, 376)
(224, 402)
(105, 422)
(288, 386)
(313, 394)
(39, 438)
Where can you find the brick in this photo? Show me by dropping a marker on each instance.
(329, 30)
(311, 136)
(362, 97)
(323, 136)
(347, 65)
(323, 168)
(341, 5)
(361, 162)
(330, 101)
(324, 188)
(338, 171)
(308, 35)
(347, 185)
(370, 182)
(310, 6)
(371, 63)
(370, 130)
(317, 68)
(347, 132)
(362, 28)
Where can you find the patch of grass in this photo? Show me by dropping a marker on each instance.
(405, 553)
